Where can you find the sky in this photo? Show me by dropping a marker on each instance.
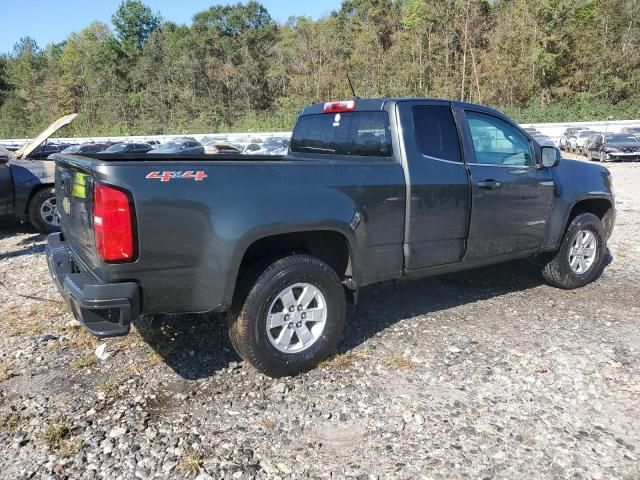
(53, 20)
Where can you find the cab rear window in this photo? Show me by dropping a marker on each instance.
(365, 134)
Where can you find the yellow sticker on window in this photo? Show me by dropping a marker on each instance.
(79, 187)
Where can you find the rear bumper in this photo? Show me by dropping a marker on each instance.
(104, 309)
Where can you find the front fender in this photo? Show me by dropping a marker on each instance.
(576, 181)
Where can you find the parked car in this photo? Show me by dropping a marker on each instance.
(588, 141)
(616, 147)
(576, 142)
(186, 146)
(273, 144)
(86, 148)
(41, 152)
(27, 184)
(372, 190)
(154, 143)
(250, 148)
(563, 144)
(129, 148)
(217, 147)
(632, 130)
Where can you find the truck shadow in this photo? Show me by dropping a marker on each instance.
(197, 346)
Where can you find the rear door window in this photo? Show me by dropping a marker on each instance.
(365, 134)
(435, 132)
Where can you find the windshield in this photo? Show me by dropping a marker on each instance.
(622, 138)
(71, 149)
(169, 146)
(118, 147)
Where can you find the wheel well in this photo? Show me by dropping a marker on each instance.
(600, 207)
(33, 192)
(330, 247)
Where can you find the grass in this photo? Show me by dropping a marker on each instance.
(110, 384)
(85, 362)
(191, 463)
(5, 371)
(55, 433)
(58, 437)
(10, 422)
(398, 361)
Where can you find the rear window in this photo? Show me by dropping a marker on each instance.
(365, 134)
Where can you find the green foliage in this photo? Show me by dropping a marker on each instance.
(134, 21)
(234, 68)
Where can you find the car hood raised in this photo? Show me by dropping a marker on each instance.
(25, 150)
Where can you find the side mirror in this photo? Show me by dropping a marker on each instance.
(550, 157)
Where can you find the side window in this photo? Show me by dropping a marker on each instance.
(435, 132)
(496, 142)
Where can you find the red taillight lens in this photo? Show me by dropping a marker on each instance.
(112, 223)
(341, 106)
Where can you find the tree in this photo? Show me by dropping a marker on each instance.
(134, 21)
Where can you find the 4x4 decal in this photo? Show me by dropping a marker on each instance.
(171, 175)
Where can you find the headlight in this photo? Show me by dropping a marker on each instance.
(611, 149)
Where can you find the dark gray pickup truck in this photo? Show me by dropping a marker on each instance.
(371, 191)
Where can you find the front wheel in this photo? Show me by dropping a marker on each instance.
(292, 317)
(43, 211)
(580, 258)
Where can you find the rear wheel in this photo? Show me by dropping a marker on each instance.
(291, 318)
(43, 211)
(580, 257)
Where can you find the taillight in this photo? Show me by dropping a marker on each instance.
(341, 106)
(112, 224)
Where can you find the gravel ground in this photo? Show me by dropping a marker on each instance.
(485, 374)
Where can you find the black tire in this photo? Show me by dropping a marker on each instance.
(247, 320)
(557, 271)
(43, 224)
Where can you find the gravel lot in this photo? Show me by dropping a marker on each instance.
(486, 374)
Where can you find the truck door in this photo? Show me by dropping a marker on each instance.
(437, 185)
(6, 188)
(511, 197)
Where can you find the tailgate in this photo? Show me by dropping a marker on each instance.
(74, 192)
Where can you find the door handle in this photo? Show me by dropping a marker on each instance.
(489, 184)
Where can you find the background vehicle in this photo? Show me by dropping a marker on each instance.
(86, 148)
(611, 148)
(371, 190)
(576, 142)
(587, 143)
(129, 148)
(26, 184)
(632, 130)
(566, 136)
(276, 146)
(186, 146)
(250, 148)
(215, 146)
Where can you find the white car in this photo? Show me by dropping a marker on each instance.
(576, 142)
